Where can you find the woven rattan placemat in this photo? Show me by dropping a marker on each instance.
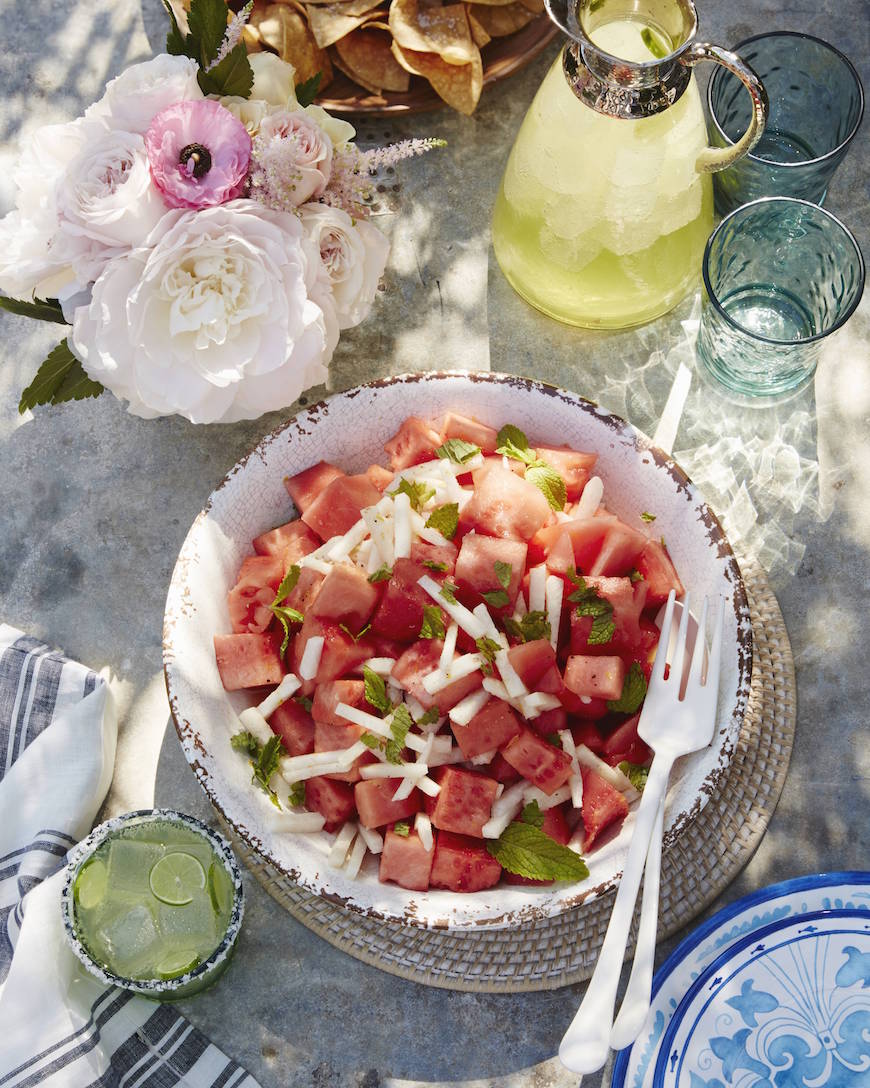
(553, 952)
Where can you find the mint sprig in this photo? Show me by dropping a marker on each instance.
(457, 450)
(590, 603)
(498, 598)
(633, 692)
(402, 829)
(399, 725)
(264, 759)
(376, 691)
(418, 493)
(445, 520)
(636, 773)
(512, 442)
(548, 480)
(433, 622)
(286, 616)
(528, 628)
(382, 574)
(527, 851)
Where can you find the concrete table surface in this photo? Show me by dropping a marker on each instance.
(96, 504)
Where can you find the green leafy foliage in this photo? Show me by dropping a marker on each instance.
(286, 616)
(264, 759)
(231, 76)
(635, 576)
(245, 741)
(532, 814)
(305, 702)
(356, 637)
(376, 691)
(498, 598)
(648, 518)
(653, 43)
(382, 574)
(370, 740)
(636, 773)
(633, 692)
(548, 480)
(400, 723)
(487, 648)
(457, 450)
(430, 564)
(445, 519)
(430, 717)
(41, 309)
(207, 25)
(296, 797)
(402, 829)
(418, 493)
(528, 628)
(525, 850)
(513, 443)
(448, 592)
(590, 603)
(60, 378)
(433, 622)
(306, 92)
(175, 42)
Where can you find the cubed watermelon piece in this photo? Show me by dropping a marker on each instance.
(406, 861)
(602, 805)
(532, 661)
(248, 660)
(620, 550)
(249, 599)
(550, 721)
(583, 706)
(295, 726)
(586, 535)
(475, 566)
(341, 654)
(488, 730)
(422, 658)
(463, 864)
(439, 555)
(400, 612)
(542, 763)
(464, 804)
(375, 804)
(560, 557)
(333, 800)
(335, 733)
(573, 466)
(502, 771)
(469, 430)
(346, 596)
(304, 487)
(556, 826)
(337, 508)
(505, 504)
(330, 694)
(414, 442)
(589, 734)
(628, 602)
(625, 744)
(290, 541)
(381, 477)
(599, 677)
(659, 573)
(303, 594)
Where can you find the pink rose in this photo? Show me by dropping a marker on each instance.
(292, 160)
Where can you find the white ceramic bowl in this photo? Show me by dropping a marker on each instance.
(349, 429)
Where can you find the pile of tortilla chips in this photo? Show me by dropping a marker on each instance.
(381, 44)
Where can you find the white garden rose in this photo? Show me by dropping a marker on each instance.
(354, 255)
(221, 316)
(274, 80)
(250, 111)
(134, 98)
(339, 132)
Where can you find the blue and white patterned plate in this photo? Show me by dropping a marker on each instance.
(736, 926)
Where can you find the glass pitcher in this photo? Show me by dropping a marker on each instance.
(606, 202)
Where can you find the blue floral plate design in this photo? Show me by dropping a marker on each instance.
(736, 924)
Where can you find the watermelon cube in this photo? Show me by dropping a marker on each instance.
(375, 804)
(589, 734)
(602, 805)
(290, 541)
(441, 555)
(583, 706)
(337, 508)
(381, 477)
(400, 612)
(550, 721)
(304, 487)
(625, 744)
(505, 504)
(586, 535)
(406, 861)
(659, 573)
(463, 864)
(302, 595)
(574, 467)
(469, 430)
(335, 734)
(542, 763)
(295, 726)
(560, 557)
(620, 550)
(330, 694)
(415, 441)
(464, 804)
(346, 596)
(532, 661)
(248, 660)
(600, 677)
(249, 599)
(489, 729)
(419, 660)
(502, 771)
(475, 565)
(333, 800)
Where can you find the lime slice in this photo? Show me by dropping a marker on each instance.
(91, 883)
(176, 963)
(176, 878)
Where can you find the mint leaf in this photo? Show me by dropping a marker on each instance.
(503, 572)
(60, 378)
(433, 623)
(487, 648)
(402, 829)
(635, 576)
(445, 519)
(418, 493)
(245, 742)
(370, 740)
(382, 574)
(512, 442)
(266, 764)
(548, 480)
(653, 43)
(601, 631)
(633, 691)
(207, 21)
(399, 726)
(47, 309)
(356, 637)
(296, 797)
(430, 564)
(231, 76)
(636, 773)
(286, 616)
(590, 603)
(306, 92)
(529, 628)
(376, 690)
(532, 814)
(305, 702)
(288, 584)
(448, 592)
(496, 598)
(525, 850)
(430, 717)
(647, 517)
(457, 450)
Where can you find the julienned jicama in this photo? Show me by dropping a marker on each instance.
(458, 648)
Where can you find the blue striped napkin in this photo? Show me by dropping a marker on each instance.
(60, 1026)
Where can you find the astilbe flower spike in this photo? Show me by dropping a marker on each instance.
(350, 185)
(233, 34)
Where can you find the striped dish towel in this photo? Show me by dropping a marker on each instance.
(59, 1026)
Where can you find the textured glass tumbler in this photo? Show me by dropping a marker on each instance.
(779, 276)
(816, 105)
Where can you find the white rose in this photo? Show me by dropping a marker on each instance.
(339, 132)
(250, 111)
(274, 80)
(292, 160)
(354, 255)
(215, 319)
(140, 92)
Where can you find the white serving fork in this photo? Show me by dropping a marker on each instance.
(678, 717)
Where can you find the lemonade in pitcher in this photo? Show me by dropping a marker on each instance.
(602, 217)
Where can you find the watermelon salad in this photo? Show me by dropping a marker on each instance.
(449, 657)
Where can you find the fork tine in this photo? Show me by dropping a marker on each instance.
(700, 646)
(658, 669)
(678, 664)
(716, 649)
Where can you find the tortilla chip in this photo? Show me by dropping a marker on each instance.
(283, 29)
(366, 57)
(443, 31)
(458, 84)
(535, 6)
(501, 21)
(478, 35)
(331, 22)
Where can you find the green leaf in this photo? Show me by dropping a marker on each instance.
(60, 378)
(448, 592)
(356, 637)
(399, 725)
(296, 797)
(635, 576)
(601, 631)
(418, 493)
(430, 564)
(245, 742)
(529, 628)
(286, 616)
(231, 76)
(403, 829)
(512, 442)
(532, 814)
(445, 519)
(636, 773)
(288, 584)
(590, 603)
(503, 572)
(430, 717)
(306, 92)
(487, 648)
(633, 691)
(207, 20)
(647, 517)
(176, 44)
(548, 480)
(382, 574)
(653, 43)
(433, 622)
(41, 309)
(525, 850)
(266, 764)
(304, 702)
(496, 598)
(457, 450)
(370, 740)
(376, 690)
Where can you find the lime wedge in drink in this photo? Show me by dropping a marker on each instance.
(177, 962)
(91, 883)
(176, 878)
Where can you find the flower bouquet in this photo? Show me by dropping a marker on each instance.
(203, 230)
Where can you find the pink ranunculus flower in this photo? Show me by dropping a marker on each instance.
(198, 154)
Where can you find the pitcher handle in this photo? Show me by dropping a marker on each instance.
(717, 158)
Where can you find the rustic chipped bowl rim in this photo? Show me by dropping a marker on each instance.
(396, 905)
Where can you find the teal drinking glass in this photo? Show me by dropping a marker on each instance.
(816, 105)
(779, 276)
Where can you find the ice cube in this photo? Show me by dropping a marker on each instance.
(131, 938)
(130, 862)
(192, 925)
